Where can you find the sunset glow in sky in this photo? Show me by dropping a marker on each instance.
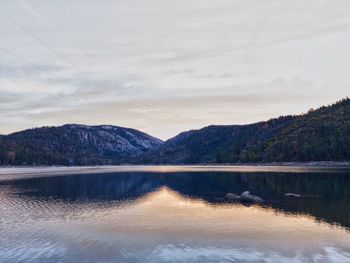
(165, 66)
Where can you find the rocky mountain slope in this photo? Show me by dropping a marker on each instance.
(75, 145)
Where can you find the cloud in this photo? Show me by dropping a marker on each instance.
(162, 117)
(184, 59)
(172, 253)
(26, 6)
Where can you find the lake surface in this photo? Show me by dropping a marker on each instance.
(176, 216)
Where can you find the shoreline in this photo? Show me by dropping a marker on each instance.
(25, 172)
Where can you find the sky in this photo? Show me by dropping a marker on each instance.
(166, 66)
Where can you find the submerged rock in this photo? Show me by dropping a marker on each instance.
(232, 197)
(247, 197)
(291, 195)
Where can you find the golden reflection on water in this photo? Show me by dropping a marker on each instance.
(166, 212)
(164, 225)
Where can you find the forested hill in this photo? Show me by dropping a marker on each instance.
(75, 145)
(319, 135)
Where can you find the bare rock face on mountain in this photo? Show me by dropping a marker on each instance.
(75, 145)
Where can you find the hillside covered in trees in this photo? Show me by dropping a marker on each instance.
(319, 135)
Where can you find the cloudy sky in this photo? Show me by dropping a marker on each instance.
(165, 66)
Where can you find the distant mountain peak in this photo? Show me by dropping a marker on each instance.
(75, 144)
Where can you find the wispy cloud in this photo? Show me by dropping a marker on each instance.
(166, 66)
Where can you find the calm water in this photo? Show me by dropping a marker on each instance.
(175, 217)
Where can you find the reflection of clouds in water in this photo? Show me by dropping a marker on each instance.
(333, 254)
(31, 251)
(54, 251)
(171, 253)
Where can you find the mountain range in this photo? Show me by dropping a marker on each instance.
(319, 135)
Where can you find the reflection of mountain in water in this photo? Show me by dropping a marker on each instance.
(324, 196)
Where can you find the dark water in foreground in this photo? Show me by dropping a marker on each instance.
(175, 217)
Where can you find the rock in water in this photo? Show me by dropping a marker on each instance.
(232, 197)
(291, 195)
(247, 197)
(245, 194)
